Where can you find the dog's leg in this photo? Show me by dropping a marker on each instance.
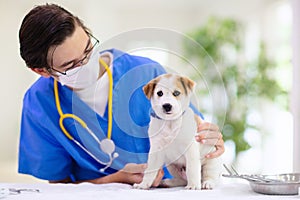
(155, 162)
(211, 173)
(193, 167)
(179, 177)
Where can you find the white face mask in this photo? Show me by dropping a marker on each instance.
(83, 76)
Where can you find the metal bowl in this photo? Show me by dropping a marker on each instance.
(286, 184)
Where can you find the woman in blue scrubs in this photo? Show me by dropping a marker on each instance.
(56, 45)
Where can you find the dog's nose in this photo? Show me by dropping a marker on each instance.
(167, 107)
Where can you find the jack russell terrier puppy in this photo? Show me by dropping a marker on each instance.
(172, 132)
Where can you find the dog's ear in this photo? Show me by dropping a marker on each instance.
(149, 88)
(187, 84)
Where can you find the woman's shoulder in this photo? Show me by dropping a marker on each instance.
(122, 56)
(39, 94)
(41, 83)
(125, 61)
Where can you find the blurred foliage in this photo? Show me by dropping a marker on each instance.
(245, 81)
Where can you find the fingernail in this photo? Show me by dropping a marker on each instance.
(197, 137)
(203, 141)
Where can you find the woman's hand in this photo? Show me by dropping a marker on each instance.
(130, 174)
(210, 134)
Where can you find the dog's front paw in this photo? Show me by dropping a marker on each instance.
(142, 185)
(193, 187)
(208, 185)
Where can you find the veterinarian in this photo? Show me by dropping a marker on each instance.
(69, 131)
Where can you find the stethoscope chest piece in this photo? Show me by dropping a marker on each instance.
(108, 147)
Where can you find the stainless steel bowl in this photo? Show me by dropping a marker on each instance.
(284, 184)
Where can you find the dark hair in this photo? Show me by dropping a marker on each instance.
(43, 27)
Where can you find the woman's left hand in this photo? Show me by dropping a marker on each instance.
(210, 134)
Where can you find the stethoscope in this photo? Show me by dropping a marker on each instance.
(106, 145)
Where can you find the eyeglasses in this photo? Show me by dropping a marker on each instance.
(75, 67)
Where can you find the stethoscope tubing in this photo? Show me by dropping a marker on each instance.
(107, 143)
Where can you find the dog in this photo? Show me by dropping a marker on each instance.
(172, 131)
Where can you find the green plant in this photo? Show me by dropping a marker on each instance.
(246, 82)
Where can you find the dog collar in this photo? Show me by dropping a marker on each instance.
(153, 114)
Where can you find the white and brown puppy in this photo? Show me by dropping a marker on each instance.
(172, 133)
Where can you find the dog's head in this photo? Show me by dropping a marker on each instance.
(169, 95)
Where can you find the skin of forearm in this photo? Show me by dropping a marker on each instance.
(112, 178)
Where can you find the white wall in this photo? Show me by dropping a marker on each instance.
(106, 19)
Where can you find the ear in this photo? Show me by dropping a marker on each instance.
(149, 88)
(187, 84)
(41, 71)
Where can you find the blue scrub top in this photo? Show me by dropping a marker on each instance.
(46, 153)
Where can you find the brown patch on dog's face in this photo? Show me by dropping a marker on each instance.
(185, 84)
(149, 87)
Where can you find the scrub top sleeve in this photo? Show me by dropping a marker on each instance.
(40, 154)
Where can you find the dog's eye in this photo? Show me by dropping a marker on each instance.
(176, 93)
(159, 93)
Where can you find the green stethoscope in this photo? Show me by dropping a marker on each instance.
(106, 145)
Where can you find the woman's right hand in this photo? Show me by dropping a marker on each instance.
(134, 173)
(130, 174)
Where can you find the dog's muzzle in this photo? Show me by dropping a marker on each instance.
(167, 107)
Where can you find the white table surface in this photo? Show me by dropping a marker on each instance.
(115, 191)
